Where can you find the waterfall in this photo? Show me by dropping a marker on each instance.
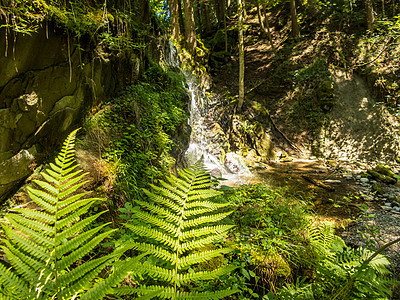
(229, 166)
(232, 167)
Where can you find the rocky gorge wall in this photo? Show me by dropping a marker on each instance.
(48, 83)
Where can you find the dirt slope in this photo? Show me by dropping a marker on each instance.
(359, 128)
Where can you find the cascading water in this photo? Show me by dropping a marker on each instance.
(231, 168)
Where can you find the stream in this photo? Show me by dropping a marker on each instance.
(335, 189)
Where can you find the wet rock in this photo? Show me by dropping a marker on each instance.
(364, 180)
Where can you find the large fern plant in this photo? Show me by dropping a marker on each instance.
(47, 246)
(179, 224)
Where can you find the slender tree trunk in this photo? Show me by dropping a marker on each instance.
(174, 12)
(241, 56)
(198, 16)
(369, 9)
(383, 9)
(260, 21)
(181, 24)
(269, 35)
(206, 14)
(220, 12)
(190, 30)
(295, 25)
(225, 30)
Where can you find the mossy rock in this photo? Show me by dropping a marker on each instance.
(384, 169)
(381, 177)
(377, 188)
(271, 261)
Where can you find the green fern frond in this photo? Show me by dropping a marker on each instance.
(43, 245)
(181, 226)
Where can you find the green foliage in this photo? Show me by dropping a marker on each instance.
(47, 247)
(141, 123)
(341, 274)
(313, 94)
(270, 241)
(180, 224)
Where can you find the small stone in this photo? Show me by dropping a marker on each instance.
(348, 176)
(386, 207)
(388, 204)
(313, 158)
(369, 198)
(364, 180)
(357, 172)
(396, 208)
(358, 176)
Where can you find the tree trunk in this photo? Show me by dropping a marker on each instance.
(241, 56)
(295, 25)
(181, 24)
(220, 12)
(260, 21)
(190, 30)
(174, 13)
(198, 16)
(206, 14)
(370, 14)
(269, 35)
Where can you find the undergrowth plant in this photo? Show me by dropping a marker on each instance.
(47, 246)
(179, 223)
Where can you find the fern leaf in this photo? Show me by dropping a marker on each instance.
(204, 275)
(20, 266)
(153, 233)
(34, 235)
(34, 193)
(8, 278)
(34, 224)
(196, 258)
(77, 227)
(154, 250)
(82, 251)
(158, 210)
(68, 220)
(219, 229)
(35, 250)
(156, 221)
(162, 200)
(37, 215)
(121, 269)
(182, 217)
(73, 206)
(43, 246)
(28, 260)
(206, 219)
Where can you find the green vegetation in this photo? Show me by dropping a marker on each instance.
(47, 246)
(140, 126)
(286, 253)
(176, 240)
(176, 226)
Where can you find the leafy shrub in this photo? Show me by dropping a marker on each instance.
(141, 123)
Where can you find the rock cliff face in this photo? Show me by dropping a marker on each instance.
(47, 85)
